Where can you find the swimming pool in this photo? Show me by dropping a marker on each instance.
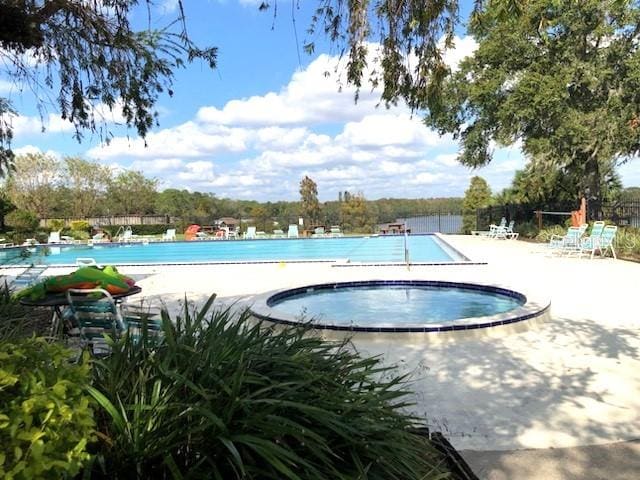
(369, 249)
(424, 306)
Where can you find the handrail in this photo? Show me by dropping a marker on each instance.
(406, 246)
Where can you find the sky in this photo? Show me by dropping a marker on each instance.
(271, 114)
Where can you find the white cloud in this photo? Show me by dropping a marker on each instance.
(52, 123)
(259, 147)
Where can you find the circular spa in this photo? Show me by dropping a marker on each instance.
(400, 306)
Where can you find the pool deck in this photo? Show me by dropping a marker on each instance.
(568, 382)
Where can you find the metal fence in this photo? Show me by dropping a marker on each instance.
(625, 213)
(443, 222)
(116, 220)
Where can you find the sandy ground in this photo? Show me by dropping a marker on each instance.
(570, 382)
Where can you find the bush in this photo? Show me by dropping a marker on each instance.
(221, 397)
(527, 229)
(150, 229)
(546, 233)
(22, 221)
(627, 242)
(79, 234)
(80, 225)
(45, 419)
(17, 320)
(56, 224)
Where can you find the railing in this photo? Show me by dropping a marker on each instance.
(116, 220)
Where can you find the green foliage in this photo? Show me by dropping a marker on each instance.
(86, 183)
(45, 418)
(478, 195)
(79, 234)
(80, 226)
(309, 201)
(17, 320)
(627, 242)
(545, 234)
(562, 78)
(56, 224)
(527, 229)
(356, 217)
(131, 193)
(32, 182)
(22, 221)
(92, 55)
(224, 397)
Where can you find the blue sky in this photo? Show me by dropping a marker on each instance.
(269, 115)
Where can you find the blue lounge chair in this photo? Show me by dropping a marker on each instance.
(570, 242)
(602, 244)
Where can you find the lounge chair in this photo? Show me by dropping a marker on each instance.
(169, 235)
(570, 242)
(335, 231)
(506, 232)
(602, 243)
(203, 236)
(594, 236)
(261, 234)
(277, 233)
(54, 237)
(293, 231)
(86, 262)
(318, 232)
(250, 234)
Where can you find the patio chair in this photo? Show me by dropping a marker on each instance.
(86, 262)
(97, 317)
(169, 235)
(318, 232)
(570, 242)
(203, 236)
(261, 234)
(594, 236)
(335, 231)
(277, 233)
(292, 232)
(506, 232)
(250, 233)
(602, 244)
(54, 237)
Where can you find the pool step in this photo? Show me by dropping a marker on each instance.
(29, 276)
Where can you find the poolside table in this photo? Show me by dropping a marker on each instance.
(58, 301)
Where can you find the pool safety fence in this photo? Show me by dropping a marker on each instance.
(622, 214)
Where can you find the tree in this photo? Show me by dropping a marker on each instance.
(86, 183)
(355, 214)
(562, 78)
(92, 55)
(131, 192)
(260, 216)
(309, 200)
(33, 183)
(478, 195)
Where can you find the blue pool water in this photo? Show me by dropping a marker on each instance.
(371, 304)
(422, 249)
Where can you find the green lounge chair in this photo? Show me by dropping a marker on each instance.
(570, 242)
(602, 244)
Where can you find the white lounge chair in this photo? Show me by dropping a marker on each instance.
(54, 237)
(277, 233)
(335, 231)
(292, 232)
(86, 262)
(250, 234)
(169, 235)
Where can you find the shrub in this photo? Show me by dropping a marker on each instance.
(80, 225)
(222, 397)
(627, 242)
(56, 224)
(16, 320)
(527, 229)
(22, 221)
(45, 419)
(546, 233)
(79, 234)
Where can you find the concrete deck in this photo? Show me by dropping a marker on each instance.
(572, 381)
